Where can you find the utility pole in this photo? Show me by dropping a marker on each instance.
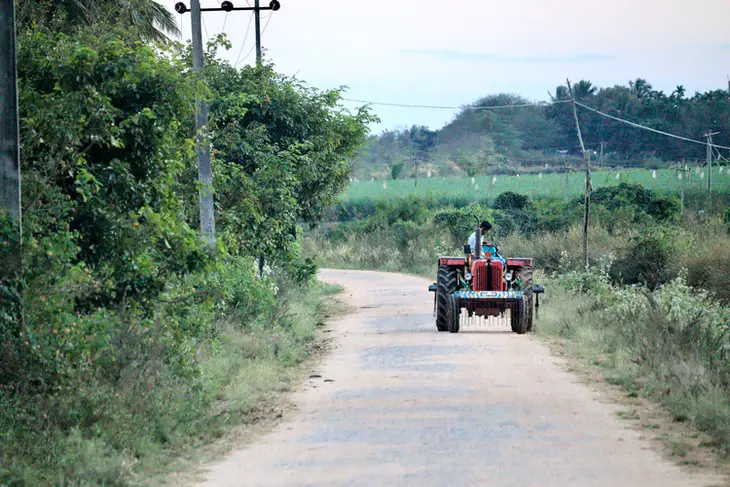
(682, 175)
(587, 159)
(257, 15)
(565, 170)
(227, 6)
(205, 173)
(415, 162)
(9, 135)
(708, 136)
(600, 161)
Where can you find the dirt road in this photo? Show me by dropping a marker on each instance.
(399, 404)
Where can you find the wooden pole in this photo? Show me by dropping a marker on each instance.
(567, 182)
(587, 160)
(600, 161)
(683, 175)
(708, 136)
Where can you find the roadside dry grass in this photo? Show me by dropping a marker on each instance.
(672, 420)
(253, 391)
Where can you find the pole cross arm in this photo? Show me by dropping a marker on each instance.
(227, 6)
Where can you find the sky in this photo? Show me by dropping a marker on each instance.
(429, 52)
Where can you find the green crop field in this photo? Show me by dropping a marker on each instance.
(551, 184)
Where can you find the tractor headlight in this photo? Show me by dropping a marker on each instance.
(467, 276)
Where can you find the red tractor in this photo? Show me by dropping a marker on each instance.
(484, 284)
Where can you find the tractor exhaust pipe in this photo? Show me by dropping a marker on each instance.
(478, 241)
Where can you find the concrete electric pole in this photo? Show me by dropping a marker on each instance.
(205, 173)
(9, 135)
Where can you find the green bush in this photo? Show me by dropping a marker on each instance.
(647, 259)
(459, 223)
(642, 199)
(707, 265)
(554, 215)
(511, 201)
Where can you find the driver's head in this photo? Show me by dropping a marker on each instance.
(485, 226)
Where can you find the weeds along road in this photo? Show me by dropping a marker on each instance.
(399, 404)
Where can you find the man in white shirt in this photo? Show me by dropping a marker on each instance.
(484, 227)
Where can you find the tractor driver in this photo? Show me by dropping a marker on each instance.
(484, 227)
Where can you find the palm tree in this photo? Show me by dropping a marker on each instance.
(151, 20)
(561, 93)
(583, 89)
(641, 88)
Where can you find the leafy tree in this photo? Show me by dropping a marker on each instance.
(280, 151)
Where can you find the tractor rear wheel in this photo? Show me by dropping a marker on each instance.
(454, 314)
(518, 316)
(447, 282)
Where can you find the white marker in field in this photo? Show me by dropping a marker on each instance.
(539, 176)
(680, 176)
(702, 175)
(653, 174)
(618, 175)
(385, 185)
(546, 165)
(472, 180)
(476, 186)
(429, 173)
(494, 179)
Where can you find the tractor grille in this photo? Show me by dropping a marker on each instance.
(480, 276)
(482, 279)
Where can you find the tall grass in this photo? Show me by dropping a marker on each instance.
(671, 345)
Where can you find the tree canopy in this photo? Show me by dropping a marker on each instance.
(478, 139)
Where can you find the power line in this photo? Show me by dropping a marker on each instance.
(464, 107)
(225, 19)
(643, 127)
(254, 47)
(245, 37)
(529, 105)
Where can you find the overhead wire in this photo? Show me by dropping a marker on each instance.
(462, 107)
(225, 19)
(245, 37)
(644, 127)
(268, 19)
(527, 105)
(205, 28)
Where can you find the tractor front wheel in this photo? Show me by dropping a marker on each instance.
(526, 276)
(518, 317)
(454, 314)
(447, 282)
